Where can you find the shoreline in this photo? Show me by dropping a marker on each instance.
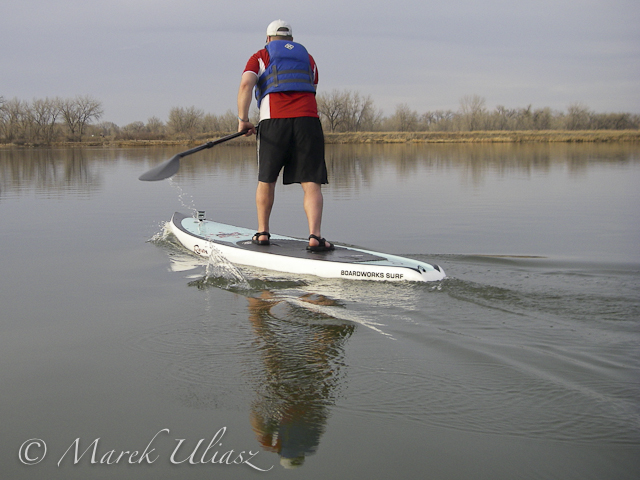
(494, 136)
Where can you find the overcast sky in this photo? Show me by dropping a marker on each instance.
(140, 58)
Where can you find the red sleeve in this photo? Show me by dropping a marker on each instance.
(315, 69)
(253, 65)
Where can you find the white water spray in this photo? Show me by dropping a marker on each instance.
(219, 267)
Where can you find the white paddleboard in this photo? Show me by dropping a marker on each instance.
(289, 255)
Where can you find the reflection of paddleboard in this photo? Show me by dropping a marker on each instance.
(287, 254)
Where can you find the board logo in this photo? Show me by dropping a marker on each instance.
(201, 251)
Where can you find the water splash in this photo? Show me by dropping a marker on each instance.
(219, 267)
(163, 235)
(186, 199)
(216, 265)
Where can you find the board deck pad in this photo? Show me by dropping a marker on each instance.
(298, 249)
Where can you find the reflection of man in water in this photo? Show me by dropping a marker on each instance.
(302, 360)
(289, 434)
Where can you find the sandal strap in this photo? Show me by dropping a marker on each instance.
(321, 241)
(260, 234)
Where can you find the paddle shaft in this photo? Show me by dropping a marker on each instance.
(212, 143)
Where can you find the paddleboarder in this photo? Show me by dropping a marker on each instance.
(289, 133)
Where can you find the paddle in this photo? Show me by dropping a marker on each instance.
(170, 167)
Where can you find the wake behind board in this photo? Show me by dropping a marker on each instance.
(289, 255)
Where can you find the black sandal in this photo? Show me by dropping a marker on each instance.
(255, 238)
(322, 245)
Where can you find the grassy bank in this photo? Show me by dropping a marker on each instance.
(434, 137)
(546, 136)
(486, 137)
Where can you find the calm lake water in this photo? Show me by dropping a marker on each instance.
(122, 356)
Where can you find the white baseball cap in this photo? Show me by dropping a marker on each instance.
(279, 28)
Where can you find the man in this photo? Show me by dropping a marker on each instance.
(289, 134)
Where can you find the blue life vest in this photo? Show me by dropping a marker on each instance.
(289, 70)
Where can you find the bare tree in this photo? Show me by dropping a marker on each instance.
(503, 118)
(78, 112)
(134, 131)
(155, 126)
(404, 119)
(107, 129)
(524, 119)
(578, 116)
(4, 120)
(614, 121)
(472, 109)
(331, 108)
(15, 120)
(227, 122)
(347, 111)
(185, 121)
(439, 120)
(542, 119)
(45, 113)
(358, 112)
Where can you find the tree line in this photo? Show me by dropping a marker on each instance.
(474, 116)
(345, 111)
(49, 120)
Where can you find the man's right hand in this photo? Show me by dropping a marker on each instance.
(250, 127)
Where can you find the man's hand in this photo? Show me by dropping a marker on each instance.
(242, 125)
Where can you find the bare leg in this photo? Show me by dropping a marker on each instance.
(313, 203)
(265, 195)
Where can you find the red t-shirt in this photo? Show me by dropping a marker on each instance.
(283, 104)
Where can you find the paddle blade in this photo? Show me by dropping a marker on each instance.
(162, 171)
(169, 168)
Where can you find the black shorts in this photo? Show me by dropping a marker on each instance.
(297, 144)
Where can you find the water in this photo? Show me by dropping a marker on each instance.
(523, 363)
